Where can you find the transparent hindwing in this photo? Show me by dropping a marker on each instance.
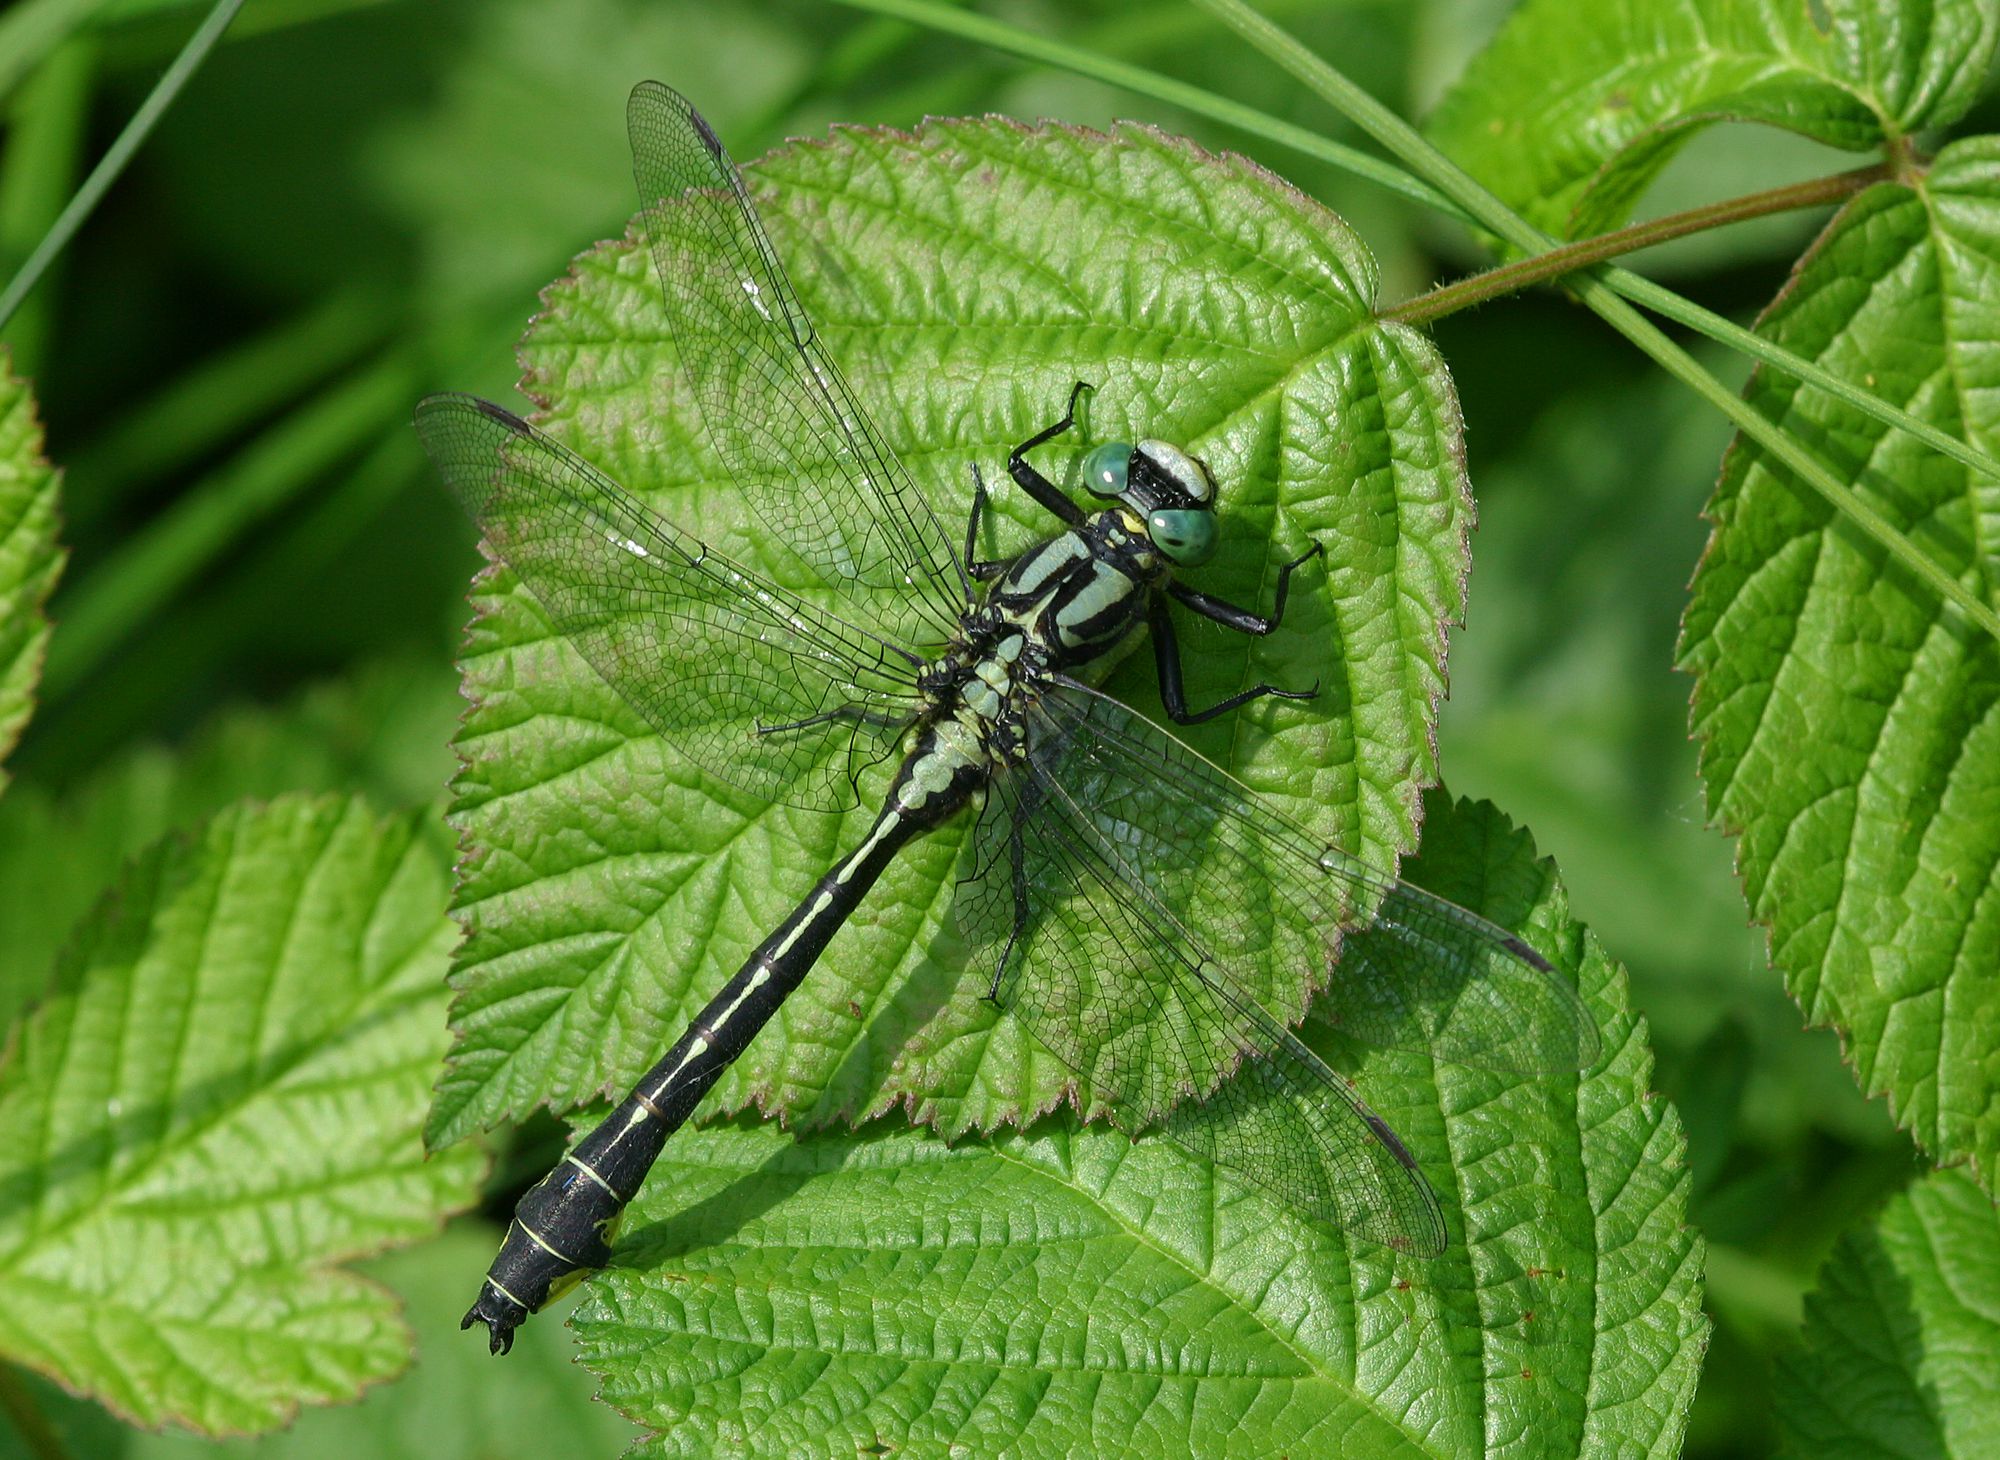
(1159, 927)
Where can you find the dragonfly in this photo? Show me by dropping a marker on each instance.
(1152, 921)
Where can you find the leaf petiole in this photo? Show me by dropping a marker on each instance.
(1554, 263)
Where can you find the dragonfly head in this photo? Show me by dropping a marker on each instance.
(1169, 488)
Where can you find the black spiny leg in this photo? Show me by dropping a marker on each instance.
(1033, 482)
(1167, 663)
(1242, 619)
(980, 570)
(1167, 649)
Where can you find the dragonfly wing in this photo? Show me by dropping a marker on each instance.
(1257, 887)
(1158, 925)
(1104, 975)
(785, 423)
(710, 655)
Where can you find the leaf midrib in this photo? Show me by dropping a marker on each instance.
(167, 1147)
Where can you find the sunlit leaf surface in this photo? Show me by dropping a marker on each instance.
(455, 1403)
(381, 729)
(1574, 109)
(217, 1105)
(1901, 1352)
(965, 278)
(29, 556)
(1850, 722)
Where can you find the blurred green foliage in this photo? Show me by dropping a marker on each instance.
(356, 202)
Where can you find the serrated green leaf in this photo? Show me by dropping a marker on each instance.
(447, 1407)
(1069, 1292)
(1573, 109)
(381, 730)
(217, 1104)
(1901, 1352)
(1850, 724)
(30, 560)
(454, 1404)
(964, 277)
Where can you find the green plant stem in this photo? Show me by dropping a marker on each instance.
(202, 409)
(152, 566)
(1541, 268)
(1640, 290)
(1663, 301)
(1403, 141)
(120, 152)
(1003, 37)
(36, 1433)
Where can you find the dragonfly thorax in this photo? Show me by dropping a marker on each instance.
(1062, 606)
(1074, 598)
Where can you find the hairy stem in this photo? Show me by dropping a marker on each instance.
(1556, 262)
(1405, 143)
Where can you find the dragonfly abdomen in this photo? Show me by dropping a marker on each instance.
(563, 1227)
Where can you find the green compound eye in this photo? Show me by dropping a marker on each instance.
(1104, 468)
(1186, 538)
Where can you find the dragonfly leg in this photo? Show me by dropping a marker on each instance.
(981, 570)
(845, 712)
(1167, 661)
(1044, 491)
(1017, 859)
(1229, 615)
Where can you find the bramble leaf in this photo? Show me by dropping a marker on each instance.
(1850, 722)
(964, 278)
(1069, 1292)
(453, 1404)
(1901, 1352)
(216, 1106)
(1573, 109)
(30, 560)
(381, 729)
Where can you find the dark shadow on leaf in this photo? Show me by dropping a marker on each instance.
(717, 1219)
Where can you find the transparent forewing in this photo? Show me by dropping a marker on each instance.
(1258, 889)
(1106, 977)
(756, 685)
(786, 425)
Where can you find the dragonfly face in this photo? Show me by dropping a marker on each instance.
(1171, 491)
